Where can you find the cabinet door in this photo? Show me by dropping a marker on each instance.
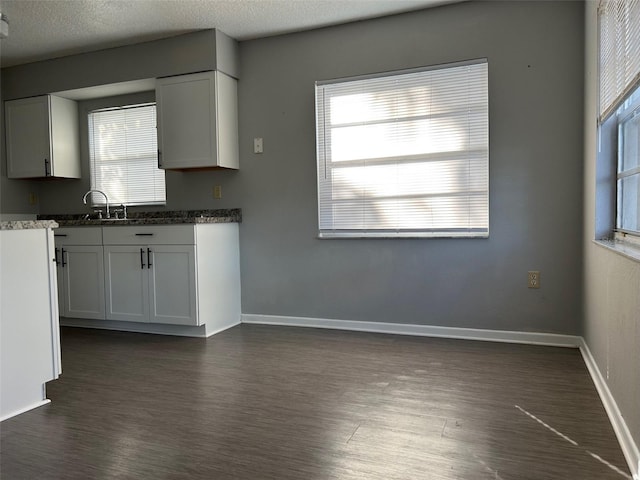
(186, 122)
(126, 283)
(172, 284)
(83, 278)
(28, 137)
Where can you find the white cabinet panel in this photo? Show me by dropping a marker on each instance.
(197, 121)
(78, 236)
(149, 235)
(29, 329)
(28, 137)
(42, 137)
(186, 107)
(127, 283)
(172, 287)
(80, 272)
(82, 283)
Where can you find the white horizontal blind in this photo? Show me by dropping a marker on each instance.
(619, 30)
(405, 154)
(123, 153)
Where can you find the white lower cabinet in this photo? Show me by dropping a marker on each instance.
(80, 272)
(151, 283)
(170, 277)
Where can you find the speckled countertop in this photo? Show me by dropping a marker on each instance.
(232, 215)
(27, 224)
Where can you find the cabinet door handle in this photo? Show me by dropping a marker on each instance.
(142, 258)
(159, 158)
(47, 172)
(148, 258)
(55, 257)
(63, 262)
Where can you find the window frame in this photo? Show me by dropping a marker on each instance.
(618, 100)
(629, 110)
(323, 159)
(111, 104)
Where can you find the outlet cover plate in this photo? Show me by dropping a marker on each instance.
(533, 279)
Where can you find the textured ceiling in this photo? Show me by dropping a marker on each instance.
(42, 29)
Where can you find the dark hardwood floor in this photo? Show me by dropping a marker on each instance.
(264, 402)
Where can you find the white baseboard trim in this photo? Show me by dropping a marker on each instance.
(210, 333)
(629, 447)
(549, 339)
(156, 328)
(25, 409)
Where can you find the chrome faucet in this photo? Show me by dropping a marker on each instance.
(106, 199)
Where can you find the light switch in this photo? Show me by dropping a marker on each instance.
(257, 145)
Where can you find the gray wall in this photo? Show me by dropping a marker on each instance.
(612, 281)
(536, 88)
(536, 74)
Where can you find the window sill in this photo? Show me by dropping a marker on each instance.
(365, 235)
(626, 249)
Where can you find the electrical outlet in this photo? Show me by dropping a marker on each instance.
(217, 192)
(533, 279)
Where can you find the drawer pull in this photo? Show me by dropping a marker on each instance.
(144, 234)
(59, 234)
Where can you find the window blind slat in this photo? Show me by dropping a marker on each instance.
(123, 156)
(619, 65)
(406, 152)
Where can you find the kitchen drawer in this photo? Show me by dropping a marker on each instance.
(78, 236)
(149, 235)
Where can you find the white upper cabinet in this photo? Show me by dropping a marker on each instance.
(197, 121)
(42, 137)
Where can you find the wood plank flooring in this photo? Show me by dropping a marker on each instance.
(264, 402)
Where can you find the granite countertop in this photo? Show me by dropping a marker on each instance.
(232, 215)
(27, 224)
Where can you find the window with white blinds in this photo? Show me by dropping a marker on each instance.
(619, 81)
(405, 154)
(619, 31)
(123, 153)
